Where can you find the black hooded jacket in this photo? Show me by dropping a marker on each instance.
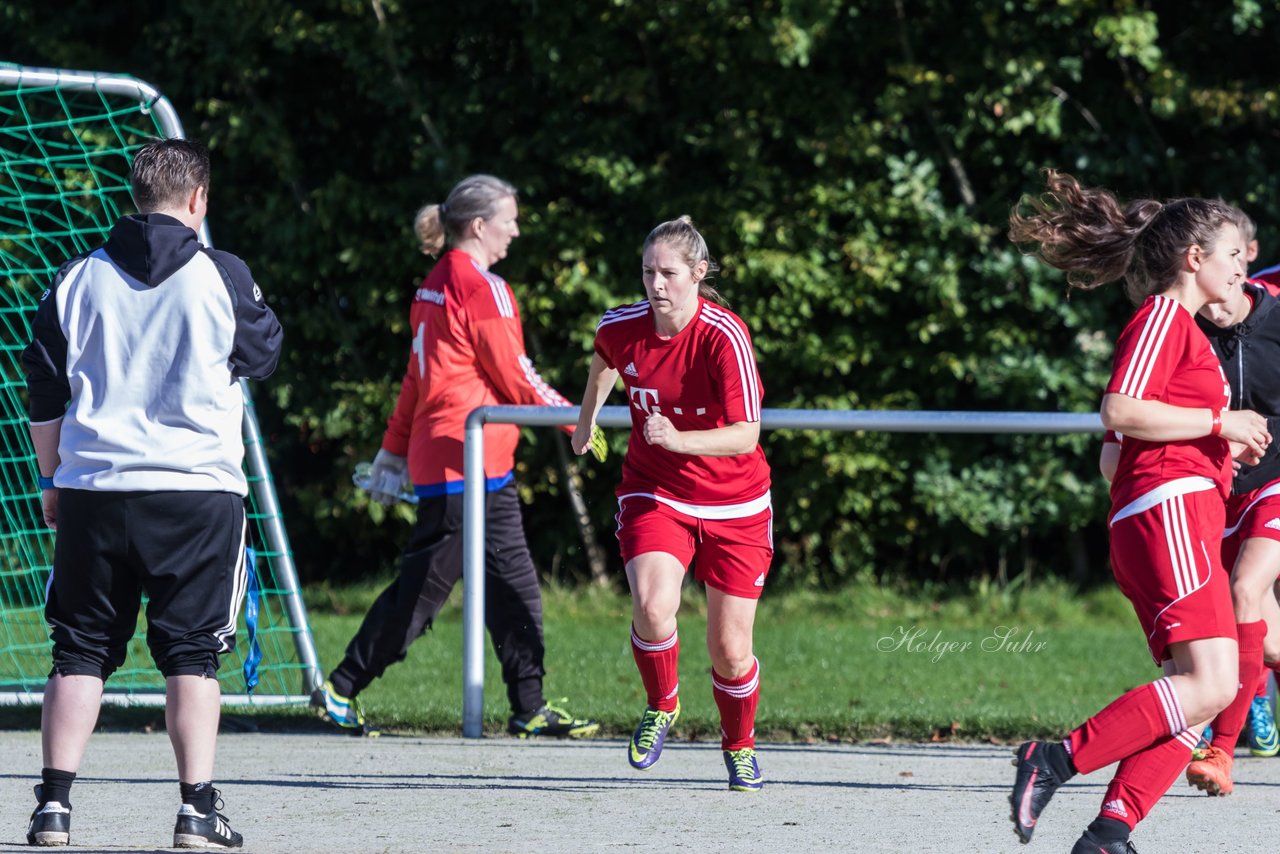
(1250, 356)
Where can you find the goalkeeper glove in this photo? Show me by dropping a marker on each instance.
(599, 446)
(388, 478)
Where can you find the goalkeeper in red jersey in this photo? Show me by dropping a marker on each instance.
(467, 350)
(695, 486)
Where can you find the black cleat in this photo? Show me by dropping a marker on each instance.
(342, 711)
(194, 830)
(50, 823)
(1033, 786)
(551, 720)
(1090, 844)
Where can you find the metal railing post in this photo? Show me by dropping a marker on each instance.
(473, 502)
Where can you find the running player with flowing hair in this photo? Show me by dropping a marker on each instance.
(1169, 399)
(695, 486)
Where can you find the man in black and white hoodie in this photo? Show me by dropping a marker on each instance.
(135, 409)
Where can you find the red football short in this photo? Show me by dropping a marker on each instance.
(1168, 562)
(1253, 514)
(731, 555)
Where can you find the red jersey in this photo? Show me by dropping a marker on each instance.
(468, 351)
(1269, 279)
(1162, 355)
(701, 378)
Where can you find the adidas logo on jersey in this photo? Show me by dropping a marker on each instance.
(630, 370)
(1274, 523)
(1115, 807)
(760, 580)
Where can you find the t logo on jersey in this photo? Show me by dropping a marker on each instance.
(645, 399)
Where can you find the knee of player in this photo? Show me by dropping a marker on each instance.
(730, 657)
(1247, 590)
(1219, 690)
(654, 619)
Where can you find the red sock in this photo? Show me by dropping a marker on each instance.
(737, 700)
(659, 665)
(1143, 778)
(1130, 724)
(1229, 722)
(1264, 681)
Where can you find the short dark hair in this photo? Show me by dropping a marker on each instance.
(166, 171)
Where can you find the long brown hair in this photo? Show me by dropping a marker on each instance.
(1087, 233)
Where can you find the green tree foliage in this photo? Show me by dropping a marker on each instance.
(852, 164)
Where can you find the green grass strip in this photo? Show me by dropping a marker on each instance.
(864, 663)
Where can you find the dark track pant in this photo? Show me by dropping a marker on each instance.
(429, 569)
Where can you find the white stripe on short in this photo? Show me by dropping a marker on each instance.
(240, 583)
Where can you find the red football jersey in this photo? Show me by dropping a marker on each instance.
(1162, 355)
(703, 377)
(1269, 279)
(467, 351)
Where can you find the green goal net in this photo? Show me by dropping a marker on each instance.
(66, 143)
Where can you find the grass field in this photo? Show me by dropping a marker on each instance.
(862, 663)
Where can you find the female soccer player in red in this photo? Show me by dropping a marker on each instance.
(1168, 397)
(695, 485)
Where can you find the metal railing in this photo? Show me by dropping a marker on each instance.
(883, 421)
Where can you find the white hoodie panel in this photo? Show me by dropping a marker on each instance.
(173, 418)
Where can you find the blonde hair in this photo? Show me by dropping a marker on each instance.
(683, 236)
(475, 196)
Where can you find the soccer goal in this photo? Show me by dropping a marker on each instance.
(66, 144)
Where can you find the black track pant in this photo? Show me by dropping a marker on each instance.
(429, 568)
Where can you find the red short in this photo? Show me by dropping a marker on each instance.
(1253, 514)
(731, 555)
(1168, 561)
